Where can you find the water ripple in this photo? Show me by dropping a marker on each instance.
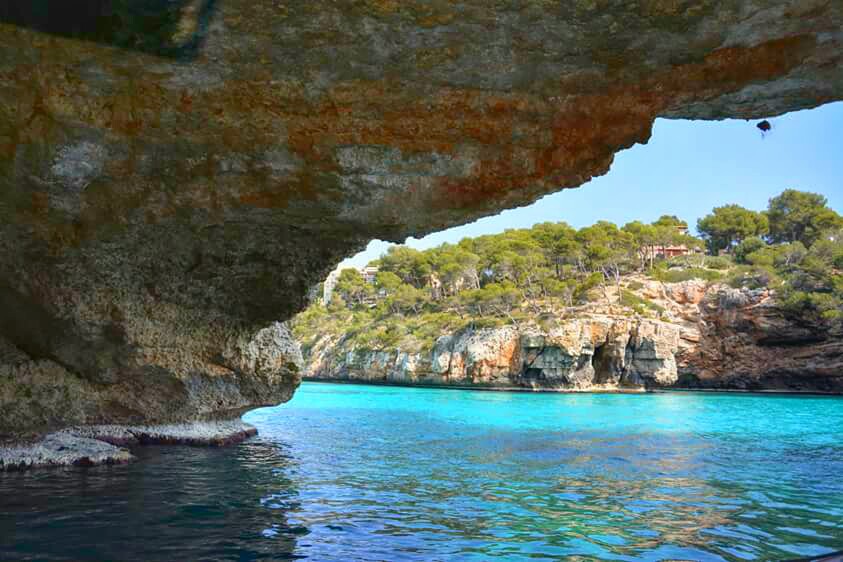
(364, 473)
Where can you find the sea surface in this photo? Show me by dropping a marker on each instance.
(349, 472)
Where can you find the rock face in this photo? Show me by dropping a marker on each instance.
(709, 338)
(106, 444)
(590, 353)
(158, 212)
(748, 343)
(242, 373)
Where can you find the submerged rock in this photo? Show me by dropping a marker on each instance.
(108, 444)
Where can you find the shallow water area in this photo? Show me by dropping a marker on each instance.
(352, 472)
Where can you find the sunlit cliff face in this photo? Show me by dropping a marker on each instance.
(157, 210)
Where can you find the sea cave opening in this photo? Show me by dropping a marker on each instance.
(601, 362)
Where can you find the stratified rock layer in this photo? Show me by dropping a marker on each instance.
(156, 214)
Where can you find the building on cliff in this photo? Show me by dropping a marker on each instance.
(675, 250)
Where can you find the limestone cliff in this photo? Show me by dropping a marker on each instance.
(748, 342)
(708, 337)
(168, 191)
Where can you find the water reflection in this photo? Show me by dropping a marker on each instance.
(393, 481)
(359, 473)
(177, 503)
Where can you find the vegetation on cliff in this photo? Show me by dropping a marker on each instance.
(794, 248)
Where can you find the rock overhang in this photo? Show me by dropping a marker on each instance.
(157, 212)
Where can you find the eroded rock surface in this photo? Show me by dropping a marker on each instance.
(587, 353)
(156, 214)
(109, 444)
(748, 343)
(707, 337)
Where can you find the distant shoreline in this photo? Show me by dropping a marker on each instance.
(520, 389)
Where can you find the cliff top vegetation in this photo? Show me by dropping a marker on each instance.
(409, 296)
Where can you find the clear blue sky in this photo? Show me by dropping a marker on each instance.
(688, 168)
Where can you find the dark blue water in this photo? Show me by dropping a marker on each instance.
(348, 472)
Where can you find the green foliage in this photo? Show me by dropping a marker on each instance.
(828, 307)
(388, 281)
(535, 275)
(754, 277)
(410, 265)
(807, 280)
(639, 304)
(670, 220)
(747, 247)
(783, 257)
(800, 216)
(406, 299)
(729, 225)
(352, 288)
(687, 274)
(720, 263)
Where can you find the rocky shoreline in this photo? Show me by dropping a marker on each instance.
(705, 337)
(611, 390)
(112, 444)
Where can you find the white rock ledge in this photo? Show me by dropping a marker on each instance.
(108, 444)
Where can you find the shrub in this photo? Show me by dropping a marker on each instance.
(679, 275)
(827, 306)
(719, 263)
(753, 277)
(747, 247)
(639, 304)
(485, 322)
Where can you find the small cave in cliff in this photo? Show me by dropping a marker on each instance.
(601, 362)
(534, 375)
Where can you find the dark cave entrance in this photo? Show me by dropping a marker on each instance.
(534, 375)
(601, 362)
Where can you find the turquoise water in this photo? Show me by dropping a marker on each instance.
(347, 472)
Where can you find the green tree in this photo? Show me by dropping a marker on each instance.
(781, 256)
(456, 267)
(747, 247)
(558, 243)
(800, 216)
(729, 225)
(387, 281)
(495, 298)
(407, 299)
(352, 288)
(411, 265)
(646, 236)
(671, 221)
(607, 250)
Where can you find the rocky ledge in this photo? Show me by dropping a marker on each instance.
(41, 395)
(110, 444)
(168, 191)
(707, 337)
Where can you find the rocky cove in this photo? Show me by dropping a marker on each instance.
(170, 193)
(710, 337)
